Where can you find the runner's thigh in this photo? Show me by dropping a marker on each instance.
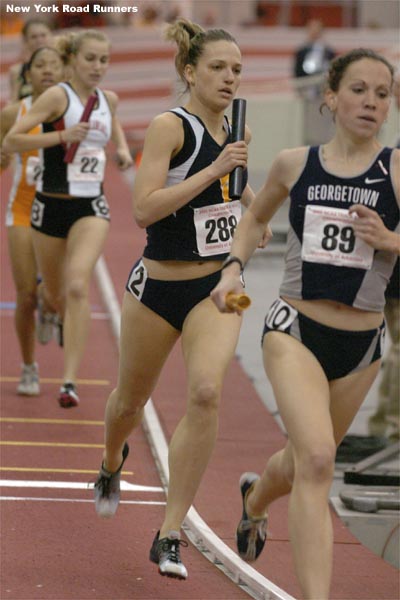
(50, 255)
(146, 341)
(209, 340)
(347, 395)
(85, 243)
(301, 390)
(22, 257)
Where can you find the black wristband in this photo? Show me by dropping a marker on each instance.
(232, 259)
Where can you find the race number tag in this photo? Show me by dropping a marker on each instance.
(33, 170)
(37, 213)
(328, 237)
(100, 207)
(137, 279)
(280, 315)
(215, 226)
(87, 166)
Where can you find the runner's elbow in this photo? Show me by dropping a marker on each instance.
(7, 145)
(141, 217)
(13, 142)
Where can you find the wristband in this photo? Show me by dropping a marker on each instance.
(232, 259)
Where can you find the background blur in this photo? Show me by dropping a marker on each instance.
(280, 111)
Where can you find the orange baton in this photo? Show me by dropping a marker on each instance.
(237, 301)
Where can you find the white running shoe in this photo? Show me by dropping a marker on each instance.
(29, 382)
(166, 554)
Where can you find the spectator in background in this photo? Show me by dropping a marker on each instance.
(315, 55)
(173, 13)
(36, 33)
(86, 20)
(149, 17)
(261, 12)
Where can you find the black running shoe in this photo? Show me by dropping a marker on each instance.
(251, 533)
(107, 490)
(165, 553)
(68, 396)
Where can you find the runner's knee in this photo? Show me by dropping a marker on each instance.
(317, 464)
(205, 396)
(26, 299)
(77, 288)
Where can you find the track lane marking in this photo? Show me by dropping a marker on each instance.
(8, 310)
(6, 379)
(49, 421)
(51, 444)
(81, 500)
(75, 485)
(49, 470)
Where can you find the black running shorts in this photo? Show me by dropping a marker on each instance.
(55, 216)
(172, 300)
(340, 352)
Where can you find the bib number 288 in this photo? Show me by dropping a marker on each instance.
(215, 225)
(220, 230)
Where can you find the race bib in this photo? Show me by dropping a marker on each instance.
(100, 207)
(33, 171)
(87, 166)
(37, 213)
(137, 280)
(280, 315)
(328, 238)
(215, 226)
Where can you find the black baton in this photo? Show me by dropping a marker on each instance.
(238, 124)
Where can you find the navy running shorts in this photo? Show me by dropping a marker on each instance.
(172, 300)
(55, 216)
(339, 352)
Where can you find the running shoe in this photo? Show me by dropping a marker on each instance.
(107, 489)
(29, 381)
(166, 554)
(68, 396)
(251, 533)
(44, 323)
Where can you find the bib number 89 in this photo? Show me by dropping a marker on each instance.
(336, 237)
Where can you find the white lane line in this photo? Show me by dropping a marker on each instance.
(81, 500)
(197, 530)
(73, 485)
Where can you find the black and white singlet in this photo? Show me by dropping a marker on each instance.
(204, 227)
(324, 259)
